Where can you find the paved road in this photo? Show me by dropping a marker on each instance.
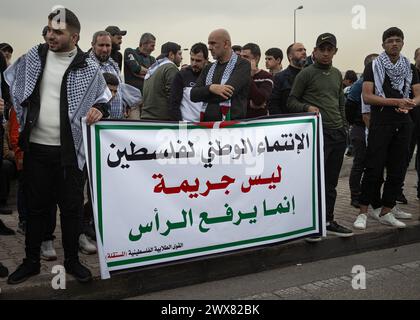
(390, 274)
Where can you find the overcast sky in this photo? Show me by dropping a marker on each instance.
(268, 23)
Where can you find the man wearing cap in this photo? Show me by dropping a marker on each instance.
(158, 83)
(318, 88)
(116, 38)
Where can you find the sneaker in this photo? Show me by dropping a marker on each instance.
(5, 231)
(313, 239)
(77, 270)
(401, 199)
(375, 213)
(89, 231)
(21, 228)
(399, 214)
(47, 251)
(3, 271)
(85, 245)
(26, 270)
(360, 222)
(390, 220)
(333, 228)
(355, 203)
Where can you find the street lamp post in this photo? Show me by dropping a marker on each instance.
(294, 23)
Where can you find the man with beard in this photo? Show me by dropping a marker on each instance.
(181, 106)
(101, 53)
(116, 38)
(52, 87)
(283, 81)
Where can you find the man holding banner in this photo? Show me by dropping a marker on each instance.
(61, 85)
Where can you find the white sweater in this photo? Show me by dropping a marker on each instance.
(47, 127)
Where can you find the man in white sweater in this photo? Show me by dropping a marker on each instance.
(61, 85)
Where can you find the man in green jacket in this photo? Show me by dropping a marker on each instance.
(158, 83)
(318, 88)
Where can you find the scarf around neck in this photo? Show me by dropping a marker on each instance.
(399, 73)
(224, 105)
(154, 67)
(85, 87)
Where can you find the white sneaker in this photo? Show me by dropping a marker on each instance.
(399, 214)
(375, 213)
(85, 245)
(390, 220)
(360, 222)
(47, 251)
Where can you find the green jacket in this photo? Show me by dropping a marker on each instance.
(319, 86)
(156, 93)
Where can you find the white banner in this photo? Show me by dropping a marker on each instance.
(164, 191)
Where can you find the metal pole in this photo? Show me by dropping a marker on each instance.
(294, 23)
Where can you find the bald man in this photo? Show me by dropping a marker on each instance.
(223, 85)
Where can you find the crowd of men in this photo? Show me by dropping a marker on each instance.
(47, 91)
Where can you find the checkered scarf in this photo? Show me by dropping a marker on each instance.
(117, 110)
(400, 74)
(226, 75)
(85, 87)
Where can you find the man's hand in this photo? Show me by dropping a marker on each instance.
(313, 109)
(1, 106)
(405, 105)
(93, 116)
(256, 107)
(223, 90)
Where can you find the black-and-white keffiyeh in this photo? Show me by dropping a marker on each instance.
(226, 75)
(400, 74)
(117, 109)
(85, 88)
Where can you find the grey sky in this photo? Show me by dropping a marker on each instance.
(268, 23)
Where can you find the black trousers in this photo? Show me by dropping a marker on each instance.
(23, 211)
(48, 183)
(358, 140)
(415, 141)
(335, 143)
(8, 172)
(388, 147)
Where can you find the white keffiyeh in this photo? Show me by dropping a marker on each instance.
(85, 87)
(116, 103)
(153, 68)
(400, 74)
